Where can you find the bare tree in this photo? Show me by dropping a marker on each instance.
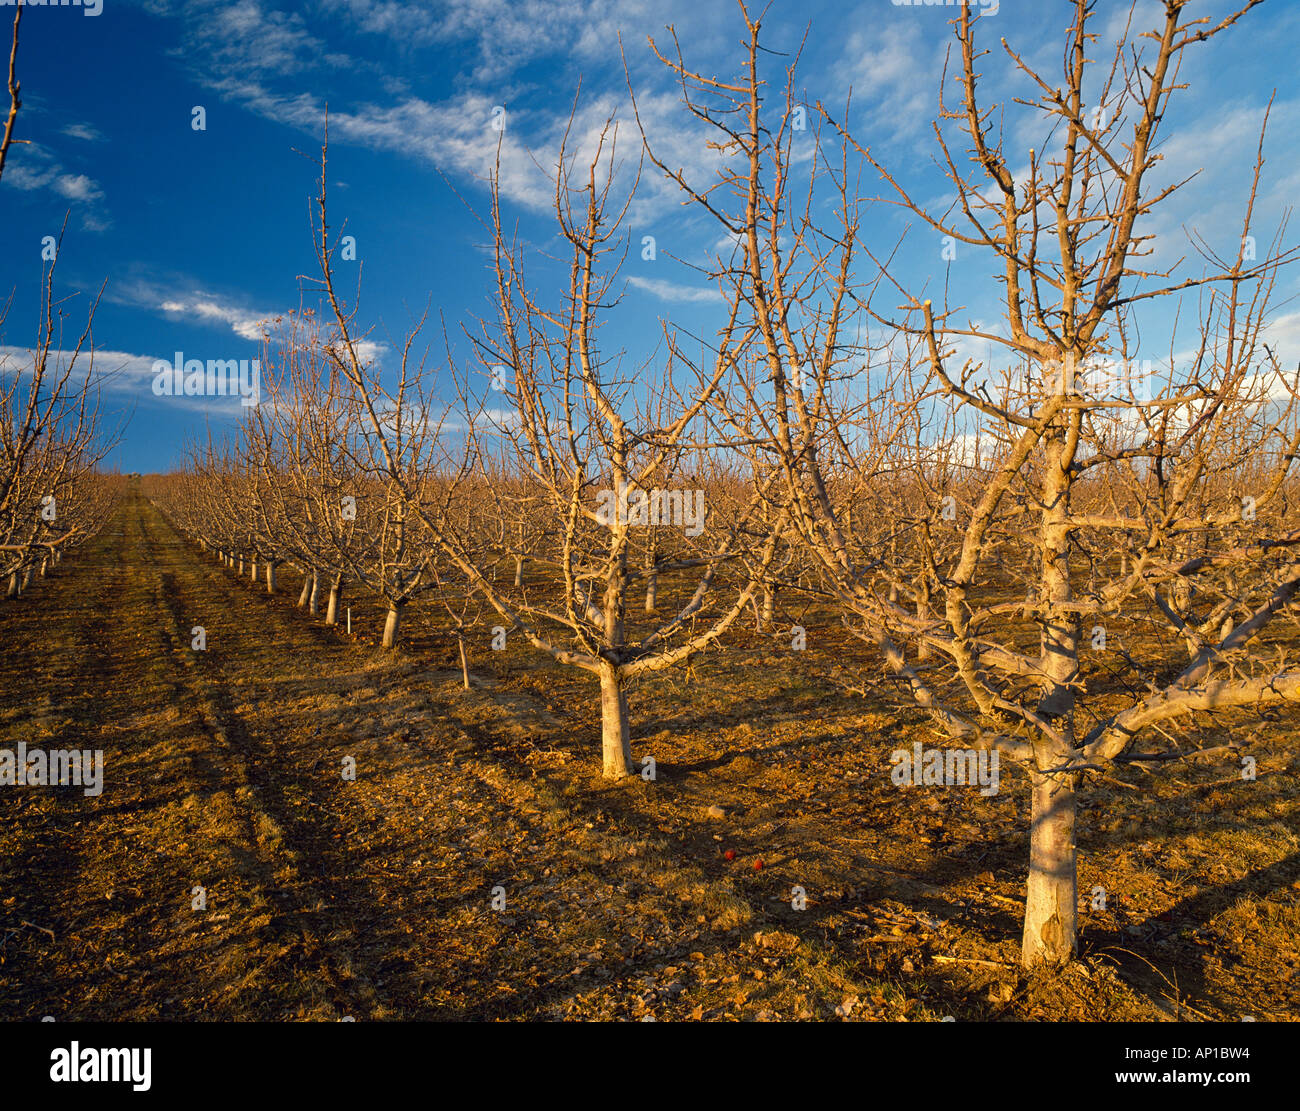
(1034, 462)
(50, 447)
(590, 450)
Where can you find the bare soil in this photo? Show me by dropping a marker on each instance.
(372, 898)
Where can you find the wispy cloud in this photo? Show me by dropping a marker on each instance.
(82, 131)
(34, 167)
(502, 36)
(121, 374)
(246, 325)
(671, 291)
(260, 59)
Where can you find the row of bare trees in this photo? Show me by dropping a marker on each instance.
(1058, 549)
(53, 496)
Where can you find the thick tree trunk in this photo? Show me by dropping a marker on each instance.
(652, 590)
(313, 602)
(12, 591)
(270, 577)
(519, 570)
(239, 568)
(769, 604)
(306, 591)
(45, 566)
(616, 745)
(332, 610)
(27, 580)
(1052, 896)
(252, 569)
(392, 623)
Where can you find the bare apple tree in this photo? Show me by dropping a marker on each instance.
(1116, 503)
(590, 449)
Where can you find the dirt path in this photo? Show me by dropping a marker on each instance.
(115, 878)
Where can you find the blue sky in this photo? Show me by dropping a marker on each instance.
(196, 236)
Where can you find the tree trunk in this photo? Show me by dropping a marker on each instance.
(252, 569)
(519, 570)
(313, 603)
(332, 610)
(616, 745)
(392, 623)
(239, 569)
(1052, 895)
(464, 661)
(27, 580)
(923, 612)
(270, 576)
(769, 603)
(12, 592)
(306, 591)
(45, 566)
(652, 590)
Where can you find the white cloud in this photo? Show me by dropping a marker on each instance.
(257, 58)
(34, 168)
(119, 373)
(893, 68)
(117, 369)
(504, 35)
(671, 291)
(77, 187)
(366, 350)
(82, 131)
(246, 325)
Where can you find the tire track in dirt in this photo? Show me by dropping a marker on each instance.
(303, 962)
(90, 641)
